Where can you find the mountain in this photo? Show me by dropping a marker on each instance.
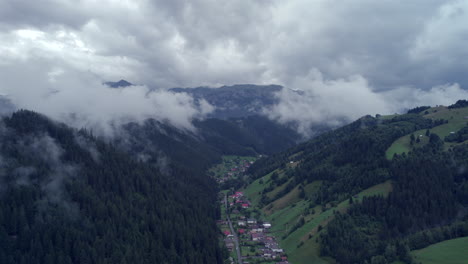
(69, 197)
(121, 83)
(374, 191)
(249, 136)
(236, 100)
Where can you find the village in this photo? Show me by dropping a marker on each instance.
(242, 227)
(232, 169)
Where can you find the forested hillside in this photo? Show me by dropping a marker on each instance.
(142, 196)
(211, 138)
(341, 198)
(67, 197)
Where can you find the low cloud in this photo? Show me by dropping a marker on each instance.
(377, 54)
(40, 164)
(81, 100)
(313, 101)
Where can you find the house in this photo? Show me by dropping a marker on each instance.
(241, 223)
(266, 225)
(257, 236)
(256, 229)
(251, 221)
(226, 232)
(245, 206)
(241, 231)
(277, 250)
(267, 253)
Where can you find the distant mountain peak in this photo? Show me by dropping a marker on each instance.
(121, 83)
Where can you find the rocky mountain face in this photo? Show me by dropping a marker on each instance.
(236, 100)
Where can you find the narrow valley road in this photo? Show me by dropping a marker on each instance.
(236, 238)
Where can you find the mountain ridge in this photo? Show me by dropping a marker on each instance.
(331, 183)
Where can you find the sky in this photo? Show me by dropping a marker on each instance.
(349, 57)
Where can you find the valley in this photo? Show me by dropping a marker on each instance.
(337, 198)
(233, 132)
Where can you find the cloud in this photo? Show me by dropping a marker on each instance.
(404, 98)
(207, 42)
(38, 154)
(81, 100)
(315, 101)
(61, 50)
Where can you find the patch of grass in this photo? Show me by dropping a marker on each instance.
(278, 189)
(379, 189)
(456, 120)
(309, 253)
(255, 188)
(385, 117)
(288, 199)
(286, 217)
(403, 144)
(321, 218)
(452, 251)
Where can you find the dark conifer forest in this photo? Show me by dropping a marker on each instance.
(68, 197)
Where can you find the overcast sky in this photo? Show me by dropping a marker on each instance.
(366, 56)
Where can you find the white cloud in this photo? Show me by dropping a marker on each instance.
(81, 100)
(317, 101)
(57, 52)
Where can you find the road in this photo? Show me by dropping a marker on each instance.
(236, 238)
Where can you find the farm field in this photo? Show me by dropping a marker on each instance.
(456, 120)
(302, 244)
(452, 251)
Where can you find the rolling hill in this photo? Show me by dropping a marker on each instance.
(367, 192)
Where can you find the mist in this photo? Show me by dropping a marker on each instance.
(81, 100)
(313, 101)
(382, 57)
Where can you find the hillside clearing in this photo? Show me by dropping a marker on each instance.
(452, 251)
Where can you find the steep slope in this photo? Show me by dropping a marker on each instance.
(155, 141)
(67, 197)
(339, 196)
(235, 101)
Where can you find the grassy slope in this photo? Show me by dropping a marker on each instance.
(253, 191)
(304, 254)
(454, 251)
(286, 211)
(456, 118)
